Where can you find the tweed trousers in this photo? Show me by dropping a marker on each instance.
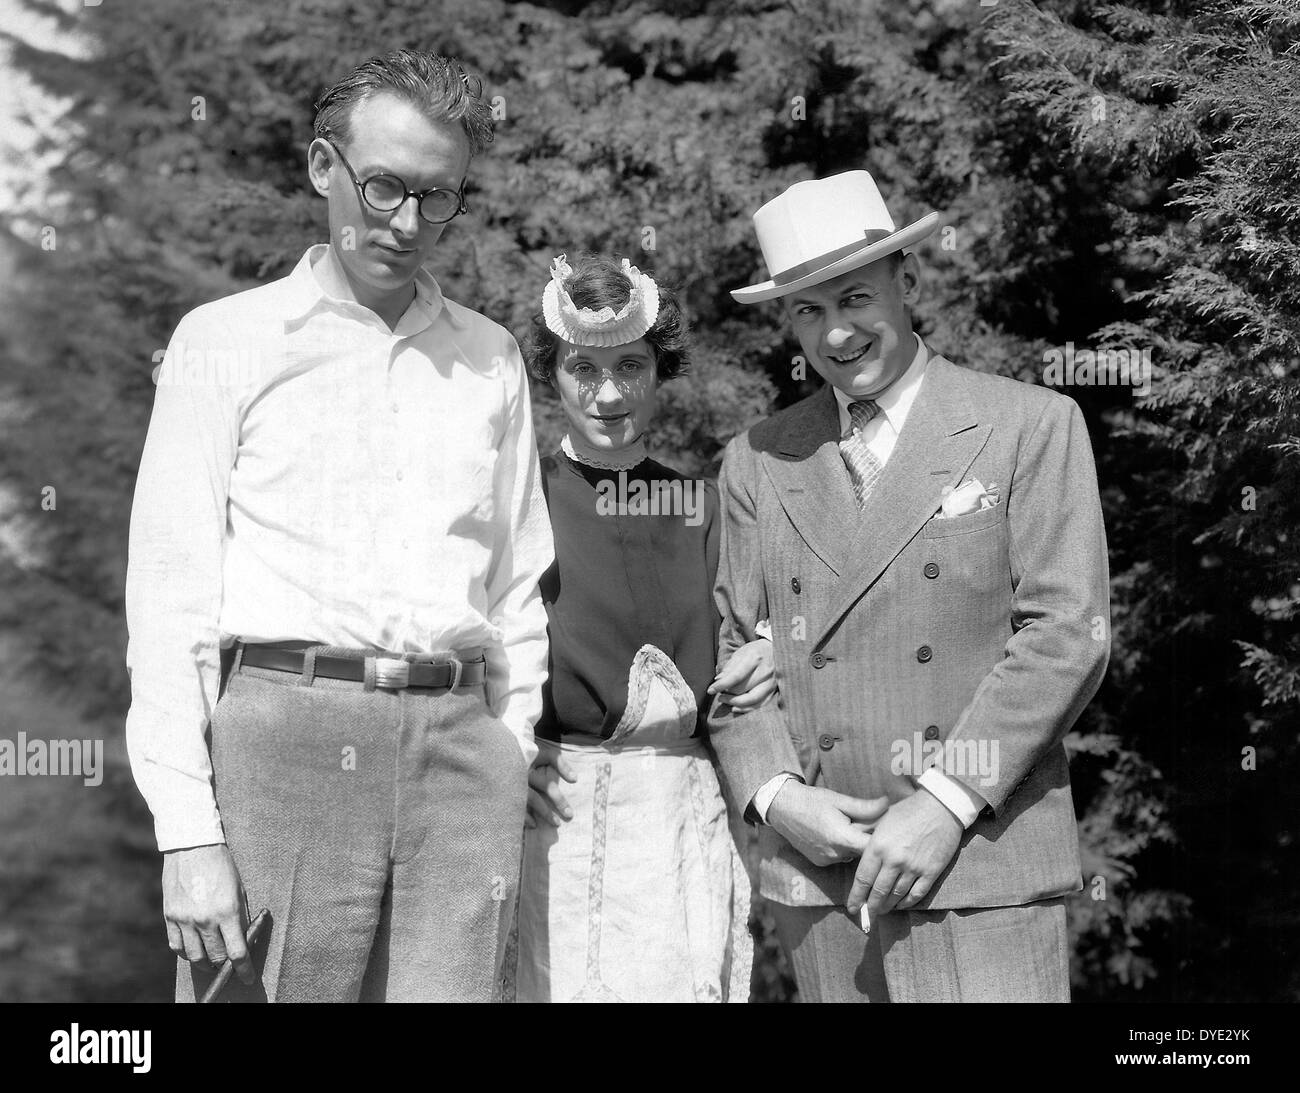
(382, 829)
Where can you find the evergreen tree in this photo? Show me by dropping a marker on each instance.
(1186, 118)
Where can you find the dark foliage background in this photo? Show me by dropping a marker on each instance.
(1122, 175)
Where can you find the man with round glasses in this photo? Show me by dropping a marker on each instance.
(337, 644)
(386, 193)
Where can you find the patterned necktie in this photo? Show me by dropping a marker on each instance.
(864, 467)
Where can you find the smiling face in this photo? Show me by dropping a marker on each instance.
(381, 253)
(608, 395)
(855, 330)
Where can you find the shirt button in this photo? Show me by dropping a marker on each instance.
(795, 586)
(818, 660)
(931, 570)
(826, 741)
(924, 653)
(932, 732)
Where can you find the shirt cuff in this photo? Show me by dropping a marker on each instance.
(185, 815)
(766, 794)
(957, 798)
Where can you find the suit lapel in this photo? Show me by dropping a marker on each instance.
(811, 481)
(939, 442)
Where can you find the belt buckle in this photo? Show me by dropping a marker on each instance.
(392, 674)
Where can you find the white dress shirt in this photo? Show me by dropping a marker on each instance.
(881, 436)
(310, 474)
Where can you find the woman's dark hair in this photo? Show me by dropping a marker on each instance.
(598, 281)
(438, 86)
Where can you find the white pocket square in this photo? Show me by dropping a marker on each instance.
(970, 496)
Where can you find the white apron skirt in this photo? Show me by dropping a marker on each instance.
(642, 896)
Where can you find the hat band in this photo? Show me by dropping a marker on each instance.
(872, 236)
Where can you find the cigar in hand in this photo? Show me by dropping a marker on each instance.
(228, 968)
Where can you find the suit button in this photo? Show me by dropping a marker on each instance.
(818, 660)
(924, 653)
(826, 741)
(932, 732)
(795, 586)
(931, 570)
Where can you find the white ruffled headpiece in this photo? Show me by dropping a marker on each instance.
(606, 327)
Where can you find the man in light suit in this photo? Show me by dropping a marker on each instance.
(927, 541)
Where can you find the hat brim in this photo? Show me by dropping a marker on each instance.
(870, 252)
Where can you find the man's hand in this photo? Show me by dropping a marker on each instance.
(205, 908)
(545, 800)
(911, 846)
(747, 680)
(824, 826)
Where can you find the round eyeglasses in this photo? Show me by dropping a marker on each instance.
(387, 193)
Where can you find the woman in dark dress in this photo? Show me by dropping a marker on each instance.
(632, 886)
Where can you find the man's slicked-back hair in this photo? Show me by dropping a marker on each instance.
(437, 86)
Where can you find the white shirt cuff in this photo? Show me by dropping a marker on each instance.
(767, 792)
(960, 800)
(185, 812)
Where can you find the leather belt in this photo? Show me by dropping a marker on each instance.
(391, 673)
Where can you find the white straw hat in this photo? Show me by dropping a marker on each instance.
(823, 227)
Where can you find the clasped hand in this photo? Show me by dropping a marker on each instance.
(909, 849)
(901, 849)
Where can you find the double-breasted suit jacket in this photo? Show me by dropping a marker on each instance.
(976, 640)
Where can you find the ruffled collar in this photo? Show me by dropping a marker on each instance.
(624, 460)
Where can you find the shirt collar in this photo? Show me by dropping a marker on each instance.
(305, 296)
(896, 400)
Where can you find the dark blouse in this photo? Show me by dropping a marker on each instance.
(623, 578)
